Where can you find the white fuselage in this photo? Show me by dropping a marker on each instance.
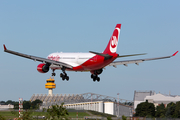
(73, 59)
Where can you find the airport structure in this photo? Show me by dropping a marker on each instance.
(140, 95)
(50, 85)
(88, 101)
(155, 98)
(6, 107)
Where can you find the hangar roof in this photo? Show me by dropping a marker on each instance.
(162, 98)
(140, 95)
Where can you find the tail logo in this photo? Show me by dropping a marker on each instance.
(114, 41)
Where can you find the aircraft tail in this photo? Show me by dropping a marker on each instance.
(113, 42)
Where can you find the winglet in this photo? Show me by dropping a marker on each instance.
(175, 53)
(4, 47)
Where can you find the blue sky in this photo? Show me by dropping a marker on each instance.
(41, 27)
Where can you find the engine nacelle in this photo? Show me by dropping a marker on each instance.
(97, 72)
(43, 68)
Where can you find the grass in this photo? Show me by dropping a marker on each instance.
(9, 115)
(101, 114)
(80, 114)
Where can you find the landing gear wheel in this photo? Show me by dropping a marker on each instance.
(61, 75)
(53, 74)
(92, 76)
(67, 78)
(63, 78)
(98, 79)
(95, 77)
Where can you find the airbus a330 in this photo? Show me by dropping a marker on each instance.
(92, 61)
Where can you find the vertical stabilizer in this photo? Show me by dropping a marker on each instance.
(113, 42)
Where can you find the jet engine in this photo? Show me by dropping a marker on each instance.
(43, 68)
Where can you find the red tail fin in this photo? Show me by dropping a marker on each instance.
(113, 42)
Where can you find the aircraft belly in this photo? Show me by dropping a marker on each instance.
(96, 64)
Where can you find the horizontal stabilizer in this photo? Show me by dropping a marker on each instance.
(106, 56)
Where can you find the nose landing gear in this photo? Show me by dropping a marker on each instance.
(53, 73)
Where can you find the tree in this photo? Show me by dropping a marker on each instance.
(35, 104)
(145, 109)
(26, 105)
(160, 111)
(2, 102)
(177, 110)
(62, 112)
(9, 102)
(170, 109)
(16, 105)
(124, 117)
(57, 111)
(26, 115)
(51, 112)
(109, 118)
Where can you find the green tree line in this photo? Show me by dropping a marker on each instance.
(26, 104)
(145, 109)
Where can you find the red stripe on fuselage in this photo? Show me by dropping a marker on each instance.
(96, 62)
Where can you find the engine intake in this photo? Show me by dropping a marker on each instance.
(43, 68)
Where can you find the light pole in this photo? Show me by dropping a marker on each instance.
(118, 103)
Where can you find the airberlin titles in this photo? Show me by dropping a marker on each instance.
(55, 58)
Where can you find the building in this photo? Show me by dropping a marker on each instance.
(159, 98)
(155, 98)
(140, 95)
(6, 107)
(103, 107)
(87, 101)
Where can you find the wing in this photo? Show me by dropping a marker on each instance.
(138, 60)
(44, 60)
(131, 55)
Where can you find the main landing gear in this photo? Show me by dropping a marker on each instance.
(95, 77)
(95, 73)
(64, 75)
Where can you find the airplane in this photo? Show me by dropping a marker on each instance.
(94, 62)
